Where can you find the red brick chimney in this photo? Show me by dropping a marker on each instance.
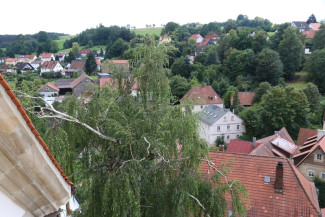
(221, 148)
(278, 185)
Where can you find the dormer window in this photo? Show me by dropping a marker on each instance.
(211, 98)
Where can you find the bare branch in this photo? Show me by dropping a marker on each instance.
(198, 201)
(51, 112)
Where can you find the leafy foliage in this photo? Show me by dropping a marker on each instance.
(319, 39)
(91, 64)
(315, 66)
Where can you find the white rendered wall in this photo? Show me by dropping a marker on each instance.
(9, 208)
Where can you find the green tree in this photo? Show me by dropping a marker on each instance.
(91, 64)
(169, 28)
(313, 97)
(315, 66)
(69, 58)
(182, 67)
(179, 86)
(90, 44)
(212, 58)
(284, 107)
(117, 49)
(75, 48)
(259, 42)
(320, 185)
(261, 90)
(269, 67)
(139, 169)
(311, 19)
(236, 106)
(291, 51)
(319, 38)
(278, 36)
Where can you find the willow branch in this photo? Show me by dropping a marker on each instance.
(51, 112)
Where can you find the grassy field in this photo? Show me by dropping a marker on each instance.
(299, 81)
(144, 31)
(270, 33)
(62, 40)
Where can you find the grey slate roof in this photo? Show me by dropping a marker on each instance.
(212, 114)
(301, 25)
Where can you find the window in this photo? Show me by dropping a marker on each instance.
(218, 128)
(311, 173)
(238, 127)
(232, 118)
(323, 175)
(228, 127)
(237, 136)
(228, 137)
(201, 106)
(224, 118)
(319, 157)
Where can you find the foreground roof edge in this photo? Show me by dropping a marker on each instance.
(29, 123)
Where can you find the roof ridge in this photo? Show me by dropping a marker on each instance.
(250, 155)
(29, 123)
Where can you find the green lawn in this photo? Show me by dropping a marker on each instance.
(270, 33)
(299, 82)
(151, 30)
(62, 40)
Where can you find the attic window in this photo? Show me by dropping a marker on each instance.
(211, 98)
(311, 173)
(267, 180)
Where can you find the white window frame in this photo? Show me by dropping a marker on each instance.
(311, 173)
(228, 137)
(232, 118)
(224, 119)
(238, 127)
(319, 157)
(218, 128)
(228, 127)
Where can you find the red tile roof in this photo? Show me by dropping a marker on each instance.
(240, 146)
(98, 62)
(320, 143)
(85, 51)
(298, 198)
(266, 146)
(31, 57)
(120, 61)
(77, 65)
(46, 55)
(304, 134)
(309, 33)
(245, 98)
(11, 60)
(11, 94)
(202, 95)
(49, 85)
(195, 37)
(109, 81)
(315, 26)
(49, 64)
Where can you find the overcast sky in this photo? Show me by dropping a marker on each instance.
(72, 16)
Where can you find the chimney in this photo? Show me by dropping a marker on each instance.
(254, 141)
(278, 185)
(221, 148)
(320, 134)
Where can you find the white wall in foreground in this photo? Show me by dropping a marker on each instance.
(9, 208)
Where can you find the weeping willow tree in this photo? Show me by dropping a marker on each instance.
(148, 163)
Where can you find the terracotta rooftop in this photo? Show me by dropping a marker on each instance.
(49, 85)
(315, 26)
(299, 197)
(11, 94)
(320, 144)
(304, 134)
(309, 33)
(202, 95)
(245, 98)
(85, 51)
(46, 55)
(120, 61)
(49, 64)
(77, 65)
(11, 59)
(207, 38)
(240, 146)
(195, 36)
(109, 81)
(266, 146)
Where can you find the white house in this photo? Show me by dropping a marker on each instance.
(47, 57)
(197, 37)
(216, 122)
(51, 66)
(201, 97)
